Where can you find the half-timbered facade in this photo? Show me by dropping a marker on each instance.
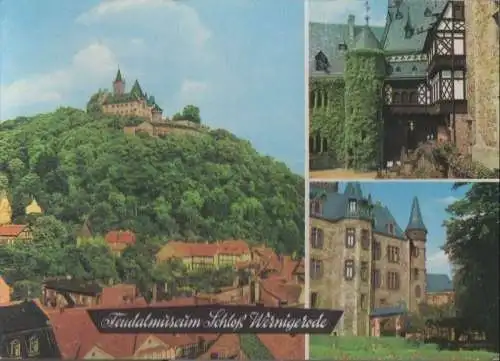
(425, 95)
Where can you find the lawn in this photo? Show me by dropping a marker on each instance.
(385, 348)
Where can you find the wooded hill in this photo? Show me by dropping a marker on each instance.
(204, 187)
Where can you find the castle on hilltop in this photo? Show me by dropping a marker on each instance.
(134, 103)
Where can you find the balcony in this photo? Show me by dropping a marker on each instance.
(402, 109)
(446, 107)
(446, 62)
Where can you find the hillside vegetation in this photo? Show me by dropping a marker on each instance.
(210, 187)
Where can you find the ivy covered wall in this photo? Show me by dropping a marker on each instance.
(328, 113)
(364, 79)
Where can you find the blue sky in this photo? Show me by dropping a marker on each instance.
(337, 11)
(433, 198)
(243, 66)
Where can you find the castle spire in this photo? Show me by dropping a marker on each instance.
(137, 90)
(416, 222)
(119, 77)
(119, 83)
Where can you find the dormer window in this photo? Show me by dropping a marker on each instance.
(342, 47)
(390, 228)
(409, 31)
(322, 63)
(353, 206)
(399, 15)
(427, 12)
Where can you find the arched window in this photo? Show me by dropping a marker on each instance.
(418, 291)
(397, 98)
(413, 98)
(317, 143)
(404, 98)
(312, 99)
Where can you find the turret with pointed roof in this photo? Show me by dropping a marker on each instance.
(366, 39)
(119, 83)
(416, 223)
(137, 90)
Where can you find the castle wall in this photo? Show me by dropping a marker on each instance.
(136, 108)
(463, 133)
(483, 78)
(383, 296)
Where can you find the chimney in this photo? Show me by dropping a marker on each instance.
(350, 28)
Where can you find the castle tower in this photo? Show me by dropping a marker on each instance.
(364, 79)
(119, 84)
(416, 232)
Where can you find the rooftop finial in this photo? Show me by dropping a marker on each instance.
(367, 12)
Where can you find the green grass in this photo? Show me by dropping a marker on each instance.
(385, 348)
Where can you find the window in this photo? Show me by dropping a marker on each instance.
(365, 239)
(393, 254)
(349, 270)
(315, 208)
(376, 280)
(363, 301)
(418, 291)
(377, 251)
(342, 47)
(322, 63)
(390, 228)
(316, 238)
(353, 206)
(314, 300)
(316, 269)
(382, 302)
(15, 349)
(416, 274)
(393, 280)
(415, 252)
(312, 99)
(458, 12)
(350, 238)
(364, 271)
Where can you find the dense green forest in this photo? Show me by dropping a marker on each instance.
(81, 166)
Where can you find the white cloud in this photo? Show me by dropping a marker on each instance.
(90, 63)
(438, 262)
(151, 13)
(447, 200)
(337, 11)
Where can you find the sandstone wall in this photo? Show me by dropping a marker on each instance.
(483, 74)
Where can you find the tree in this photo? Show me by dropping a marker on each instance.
(472, 246)
(190, 112)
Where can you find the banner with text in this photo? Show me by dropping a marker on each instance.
(215, 319)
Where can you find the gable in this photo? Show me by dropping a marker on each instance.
(96, 353)
(151, 342)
